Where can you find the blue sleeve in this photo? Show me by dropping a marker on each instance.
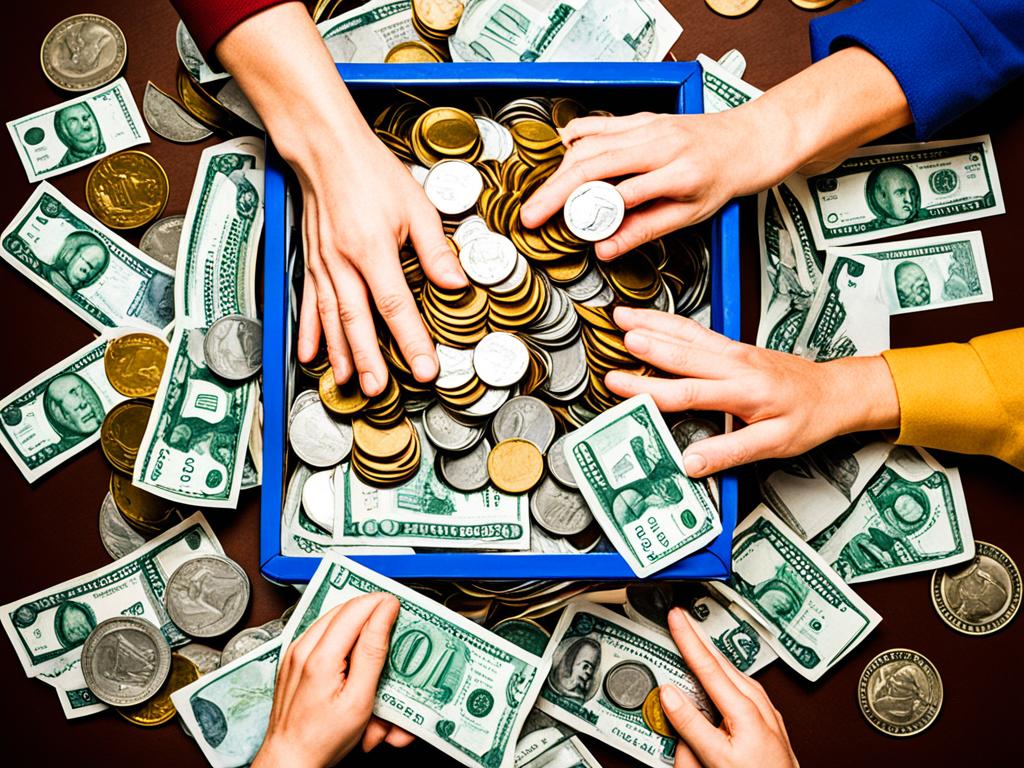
(948, 55)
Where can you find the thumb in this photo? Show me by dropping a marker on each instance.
(440, 264)
(713, 454)
(369, 655)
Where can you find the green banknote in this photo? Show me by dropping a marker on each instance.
(551, 748)
(890, 190)
(366, 34)
(447, 680)
(630, 471)
(733, 633)
(604, 668)
(911, 517)
(48, 628)
(194, 447)
(216, 268)
(59, 413)
(103, 279)
(78, 131)
(228, 710)
(722, 89)
(804, 609)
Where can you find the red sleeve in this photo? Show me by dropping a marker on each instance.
(210, 20)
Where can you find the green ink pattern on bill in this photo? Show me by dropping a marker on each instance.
(366, 34)
(630, 471)
(723, 90)
(733, 633)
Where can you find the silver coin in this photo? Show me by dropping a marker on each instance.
(558, 510)
(568, 368)
(468, 472)
(83, 52)
(205, 658)
(167, 119)
(470, 228)
(318, 499)
(455, 367)
(900, 692)
(981, 596)
(418, 172)
(453, 186)
(192, 58)
(233, 347)
(627, 684)
(274, 627)
(689, 430)
(594, 211)
(117, 537)
(206, 596)
(602, 298)
(525, 417)
(497, 139)
(501, 359)
(489, 260)
(125, 660)
(589, 285)
(487, 405)
(515, 280)
(230, 96)
(161, 240)
(558, 465)
(446, 434)
(318, 438)
(245, 641)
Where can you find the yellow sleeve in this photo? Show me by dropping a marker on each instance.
(963, 397)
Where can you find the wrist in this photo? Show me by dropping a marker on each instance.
(766, 134)
(274, 754)
(865, 393)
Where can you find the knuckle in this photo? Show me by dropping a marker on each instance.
(349, 314)
(325, 302)
(391, 305)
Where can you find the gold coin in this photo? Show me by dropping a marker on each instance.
(564, 111)
(813, 5)
(448, 131)
(122, 433)
(343, 399)
(734, 8)
(412, 52)
(654, 716)
(515, 465)
(159, 709)
(134, 364)
(127, 190)
(382, 444)
(143, 510)
(199, 104)
(441, 16)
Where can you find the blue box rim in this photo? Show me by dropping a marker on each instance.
(711, 563)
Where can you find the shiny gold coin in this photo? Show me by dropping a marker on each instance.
(813, 5)
(535, 135)
(199, 104)
(382, 444)
(449, 132)
(127, 190)
(159, 709)
(412, 52)
(733, 8)
(134, 364)
(344, 399)
(654, 716)
(122, 433)
(143, 510)
(515, 465)
(564, 111)
(440, 16)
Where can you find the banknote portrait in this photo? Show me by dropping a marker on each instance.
(893, 194)
(80, 262)
(72, 406)
(574, 673)
(78, 130)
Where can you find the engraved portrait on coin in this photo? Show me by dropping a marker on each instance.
(893, 194)
(980, 592)
(574, 673)
(77, 129)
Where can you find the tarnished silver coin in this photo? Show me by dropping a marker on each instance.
(627, 684)
(559, 511)
(161, 240)
(453, 186)
(233, 347)
(558, 465)
(501, 359)
(206, 596)
(117, 537)
(468, 472)
(317, 438)
(488, 260)
(242, 643)
(318, 499)
(166, 118)
(447, 434)
(525, 417)
(274, 627)
(83, 52)
(125, 660)
(205, 658)
(900, 692)
(979, 597)
(594, 211)
(455, 367)
(689, 430)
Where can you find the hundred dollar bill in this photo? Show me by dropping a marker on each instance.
(898, 188)
(78, 131)
(227, 711)
(848, 315)
(101, 278)
(805, 610)
(604, 670)
(193, 60)
(447, 680)
(733, 633)
(722, 89)
(194, 447)
(216, 268)
(911, 517)
(564, 30)
(929, 272)
(59, 413)
(366, 34)
(48, 628)
(551, 748)
(630, 471)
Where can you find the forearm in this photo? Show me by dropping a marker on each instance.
(862, 393)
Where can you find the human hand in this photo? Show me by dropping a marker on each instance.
(752, 731)
(326, 685)
(789, 404)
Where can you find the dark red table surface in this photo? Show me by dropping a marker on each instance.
(51, 527)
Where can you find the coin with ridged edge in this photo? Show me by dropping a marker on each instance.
(900, 692)
(83, 52)
(127, 189)
(125, 660)
(979, 597)
(627, 684)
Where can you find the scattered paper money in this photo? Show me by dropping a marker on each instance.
(722, 89)
(551, 748)
(733, 633)
(366, 34)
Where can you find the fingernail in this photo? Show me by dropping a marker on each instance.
(455, 278)
(694, 464)
(671, 698)
(368, 382)
(423, 367)
(637, 342)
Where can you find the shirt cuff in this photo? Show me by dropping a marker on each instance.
(209, 20)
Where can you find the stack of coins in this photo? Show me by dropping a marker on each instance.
(435, 21)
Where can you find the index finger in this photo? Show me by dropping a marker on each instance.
(370, 654)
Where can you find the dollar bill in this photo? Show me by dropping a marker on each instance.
(848, 316)
(216, 268)
(564, 30)
(929, 272)
(551, 748)
(48, 628)
(78, 131)
(101, 278)
(806, 612)
(58, 414)
(732, 632)
(898, 188)
(604, 667)
(911, 517)
(630, 471)
(722, 89)
(366, 34)
(228, 710)
(452, 683)
(192, 58)
(194, 447)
